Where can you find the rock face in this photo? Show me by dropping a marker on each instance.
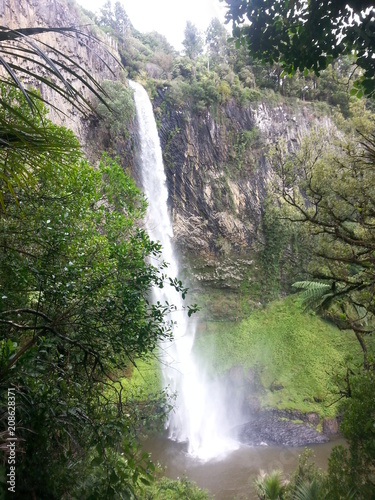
(218, 174)
(93, 57)
(268, 428)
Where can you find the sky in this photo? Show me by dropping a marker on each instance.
(167, 17)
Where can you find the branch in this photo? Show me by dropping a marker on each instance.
(25, 348)
(28, 311)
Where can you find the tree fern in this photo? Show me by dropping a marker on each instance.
(315, 293)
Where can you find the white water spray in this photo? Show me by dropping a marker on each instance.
(199, 417)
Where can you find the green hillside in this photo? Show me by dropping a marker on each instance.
(280, 346)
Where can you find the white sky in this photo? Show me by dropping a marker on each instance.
(167, 17)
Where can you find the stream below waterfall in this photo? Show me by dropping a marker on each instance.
(231, 478)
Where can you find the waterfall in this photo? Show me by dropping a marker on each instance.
(199, 416)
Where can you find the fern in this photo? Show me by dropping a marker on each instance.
(313, 490)
(315, 293)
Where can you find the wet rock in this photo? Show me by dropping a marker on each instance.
(266, 427)
(331, 426)
(312, 418)
(276, 386)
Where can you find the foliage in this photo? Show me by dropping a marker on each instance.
(29, 142)
(48, 60)
(216, 41)
(115, 18)
(314, 294)
(20, 133)
(205, 78)
(334, 203)
(179, 489)
(327, 186)
(192, 42)
(116, 120)
(74, 310)
(302, 35)
(285, 253)
(351, 471)
(307, 482)
(270, 486)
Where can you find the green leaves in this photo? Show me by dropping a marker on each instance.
(315, 293)
(75, 279)
(28, 142)
(306, 35)
(20, 42)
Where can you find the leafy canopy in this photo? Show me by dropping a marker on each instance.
(307, 35)
(327, 185)
(75, 278)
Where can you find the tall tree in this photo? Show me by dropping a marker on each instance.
(75, 278)
(193, 41)
(122, 21)
(216, 40)
(308, 35)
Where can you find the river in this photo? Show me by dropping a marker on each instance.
(231, 478)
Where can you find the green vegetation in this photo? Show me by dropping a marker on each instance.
(282, 343)
(327, 188)
(270, 486)
(77, 329)
(74, 311)
(299, 35)
(306, 483)
(114, 121)
(297, 359)
(180, 489)
(203, 80)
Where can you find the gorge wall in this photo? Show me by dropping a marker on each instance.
(96, 58)
(218, 177)
(215, 160)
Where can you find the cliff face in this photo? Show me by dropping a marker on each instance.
(218, 175)
(215, 161)
(90, 55)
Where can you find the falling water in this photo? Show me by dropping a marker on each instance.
(199, 416)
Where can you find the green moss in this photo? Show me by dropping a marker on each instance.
(281, 342)
(284, 343)
(145, 377)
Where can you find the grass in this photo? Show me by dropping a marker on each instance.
(146, 376)
(287, 347)
(295, 356)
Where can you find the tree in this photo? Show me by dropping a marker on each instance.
(328, 186)
(106, 15)
(122, 21)
(308, 35)
(193, 42)
(75, 278)
(216, 40)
